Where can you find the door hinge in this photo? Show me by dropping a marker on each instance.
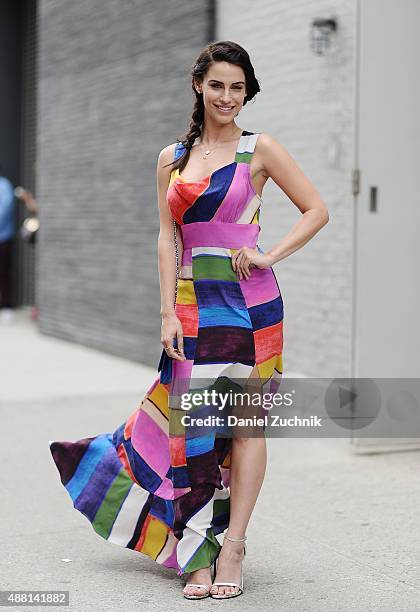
(356, 182)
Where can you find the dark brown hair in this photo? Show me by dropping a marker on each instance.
(220, 51)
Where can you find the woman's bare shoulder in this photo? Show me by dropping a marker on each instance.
(269, 150)
(167, 154)
(266, 140)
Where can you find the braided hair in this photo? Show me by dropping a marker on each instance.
(220, 51)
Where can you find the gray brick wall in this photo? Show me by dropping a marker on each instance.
(306, 102)
(114, 89)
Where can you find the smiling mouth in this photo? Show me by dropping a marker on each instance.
(224, 109)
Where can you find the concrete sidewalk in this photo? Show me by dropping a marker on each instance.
(331, 530)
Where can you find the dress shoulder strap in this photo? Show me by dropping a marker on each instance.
(179, 150)
(246, 147)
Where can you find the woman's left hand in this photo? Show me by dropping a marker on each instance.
(246, 258)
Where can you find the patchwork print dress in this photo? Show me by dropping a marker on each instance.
(147, 486)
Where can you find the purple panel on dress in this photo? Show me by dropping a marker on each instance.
(237, 198)
(151, 443)
(219, 234)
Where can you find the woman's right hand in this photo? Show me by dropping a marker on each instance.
(172, 328)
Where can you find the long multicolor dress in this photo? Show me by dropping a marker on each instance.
(148, 486)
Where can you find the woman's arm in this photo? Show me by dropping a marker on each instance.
(166, 246)
(278, 164)
(273, 160)
(171, 326)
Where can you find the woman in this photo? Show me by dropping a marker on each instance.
(186, 500)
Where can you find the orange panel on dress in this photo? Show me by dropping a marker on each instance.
(268, 342)
(177, 450)
(188, 315)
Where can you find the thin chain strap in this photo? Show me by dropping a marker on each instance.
(177, 262)
(176, 247)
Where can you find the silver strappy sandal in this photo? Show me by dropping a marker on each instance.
(206, 588)
(206, 593)
(239, 586)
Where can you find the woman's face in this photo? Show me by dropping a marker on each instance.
(223, 90)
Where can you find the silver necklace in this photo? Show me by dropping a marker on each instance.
(208, 151)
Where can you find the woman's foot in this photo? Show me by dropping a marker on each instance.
(229, 567)
(200, 576)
